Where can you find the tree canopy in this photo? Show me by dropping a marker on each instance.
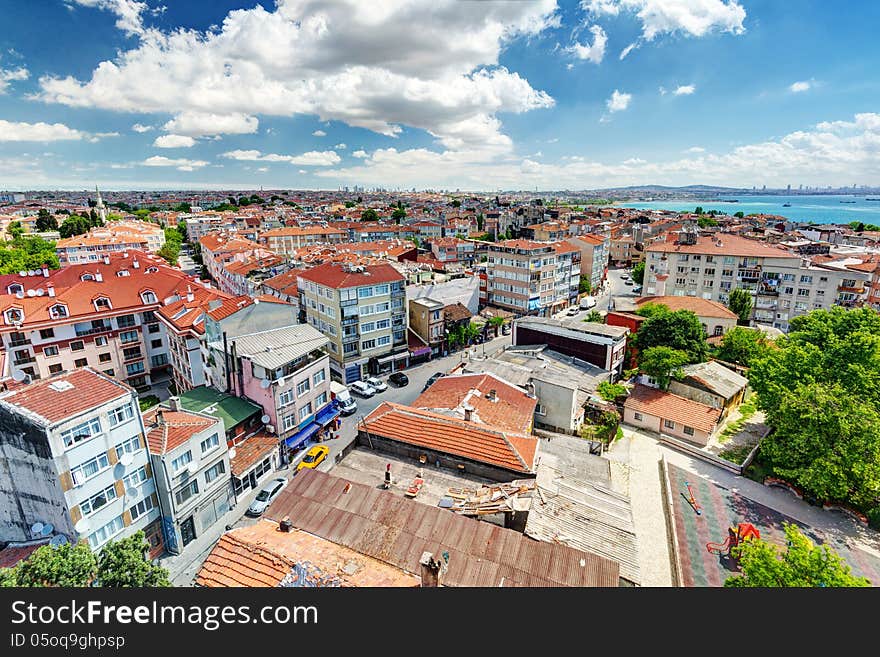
(801, 564)
(638, 273)
(584, 285)
(370, 215)
(662, 364)
(26, 253)
(742, 346)
(398, 215)
(740, 302)
(820, 390)
(45, 221)
(680, 330)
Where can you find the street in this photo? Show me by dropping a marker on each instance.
(614, 286)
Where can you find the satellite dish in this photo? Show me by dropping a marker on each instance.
(82, 526)
(58, 540)
(19, 295)
(37, 528)
(126, 458)
(232, 452)
(131, 492)
(40, 293)
(47, 530)
(31, 272)
(265, 383)
(265, 419)
(32, 293)
(192, 468)
(22, 273)
(18, 375)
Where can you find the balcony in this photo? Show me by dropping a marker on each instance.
(133, 357)
(350, 321)
(92, 330)
(24, 361)
(766, 305)
(858, 289)
(19, 342)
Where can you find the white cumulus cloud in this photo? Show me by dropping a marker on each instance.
(181, 164)
(174, 141)
(685, 90)
(800, 87)
(593, 52)
(128, 12)
(319, 133)
(311, 158)
(137, 127)
(360, 153)
(12, 75)
(21, 131)
(340, 147)
(618, 101)
(201, 124)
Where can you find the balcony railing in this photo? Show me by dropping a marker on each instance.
(92, 331)
(24, 361)
(19, 342)
(858, 289)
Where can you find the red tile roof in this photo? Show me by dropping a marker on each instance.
(285, 282)
(442, 433)
(456, 312)
(292, 231)
(335, 276)
(700, 307)
(195, 309)
(730, 245)
(174, 430)
(88, 390)
(11, 555)
(252, 450)
(513, 411)
(235, 562)
(668, 406)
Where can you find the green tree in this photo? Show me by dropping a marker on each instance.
(398, 215)
(740, 302)
(68, 565)
(143, 214)
(456, 203)
(349, 204)
(481, 221)
(698, 210)
(680, 330)
(496, 323)
(584, 285)
(595, 317)
(74, 225)
(26, 253)
(739, 215)
(414, 240)
(15, 230)
(243, 201)
(742, 346)
(123, 564)
(611, 391)
(638, 273)
(801, 564)
(45, 221)
(370, 215)
(662, 364)
(706, 221)
(170, 251)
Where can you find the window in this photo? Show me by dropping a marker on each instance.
(148, 297)
(102, 303)
(289, 422)
(668, 424)
(51, 350)
(156, 344)
(125, 321)
(540, 410)
(368, 327)
(689, 431)
(365, 292)
(215, 471)
(719, 330)
(98, 500)
(383, 324)
(85, 471)
(55, 369)
(136, 478)
(139, 509)
(318, 377)
(105, 533)
(14, 315)
(128, 447)
(77, 345)
(210, 443)
(58, 311)
(134, 368)
(305, 411)
(15, 288)
(806, 279)
(302, 387)
(383, 341)
(637, 416)
(101, 340)
(45, 334)
(104, 358)
(803, 292)
(81, 432)
(81, 362)
(321, 399)
(153, 328)
(110, 372)
(368, 344)
(121, 414)
(181, 461)
(187, 492)
(131, 353)
(285, 398)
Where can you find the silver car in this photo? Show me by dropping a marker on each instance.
(266, 496)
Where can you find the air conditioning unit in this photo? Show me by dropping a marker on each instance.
(270, 428)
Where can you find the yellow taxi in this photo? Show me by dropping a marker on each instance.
(313, 457)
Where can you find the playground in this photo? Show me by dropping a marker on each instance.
(703, 512)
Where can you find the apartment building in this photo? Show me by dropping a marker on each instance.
(362, 310)
(284, 241)
(200, 225)
(452, 249)
(287, 372)
(222, 248)
(112, 237)
(245, 276)
(427, 320)
(595, 249)
(101, 315)
(784, 285)
(427, 230)
(190, 462)
(622, 250)
(75, 461)
(528, 277)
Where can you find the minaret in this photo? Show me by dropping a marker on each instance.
(101, 209)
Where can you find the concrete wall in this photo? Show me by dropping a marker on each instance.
(559, 403)
(451, 462)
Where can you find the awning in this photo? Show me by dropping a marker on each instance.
(303, 435)
(327, 414)
(384, 359)
(421, 351)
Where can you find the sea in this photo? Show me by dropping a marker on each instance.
(819, 209)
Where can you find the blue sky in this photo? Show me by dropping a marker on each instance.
(441, 94)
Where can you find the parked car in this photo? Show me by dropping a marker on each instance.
(624, 277)
(313, 457)
(433, 379)
(377, 384)
(628, 282)
(572, 310)
(362, 388)
(398, 379)
(587, 303)
(347, 404)
(637, 289)
(266, 496)
(505, 329)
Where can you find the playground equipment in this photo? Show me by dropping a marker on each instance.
(693, 500)
(735, 536)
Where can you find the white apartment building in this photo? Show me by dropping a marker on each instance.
(783, 285)
(75, 461)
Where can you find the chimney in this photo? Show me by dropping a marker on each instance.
(135, 263)
(50, 290)
(173, 403)
(491, 395)
(189, 294)
(106, 259)
(468, 413)
(430, 570)
(99, 276)
(45, 271)
(160, 418)
(285, 525)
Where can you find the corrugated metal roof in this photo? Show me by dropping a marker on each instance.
(397, 531)
(276, 347)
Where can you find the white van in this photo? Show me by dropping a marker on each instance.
(347, 404)
(588, 302)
